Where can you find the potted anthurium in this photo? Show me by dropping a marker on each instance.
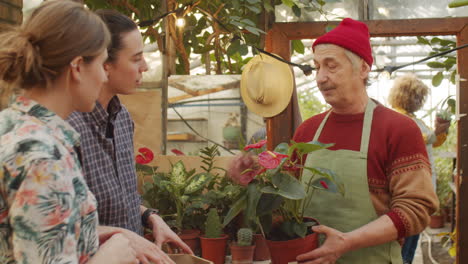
(276, 195)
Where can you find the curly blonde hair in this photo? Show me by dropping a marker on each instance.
(408, 93)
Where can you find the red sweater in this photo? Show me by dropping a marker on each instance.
(398, 169)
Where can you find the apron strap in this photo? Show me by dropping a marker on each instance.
(366, 127)
(320, 128)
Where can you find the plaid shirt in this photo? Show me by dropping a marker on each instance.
(109, 163)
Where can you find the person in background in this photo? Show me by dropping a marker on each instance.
(107, 146)
(408, 96)
(47, 213)
(378, 154)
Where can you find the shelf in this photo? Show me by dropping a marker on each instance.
(187, 119)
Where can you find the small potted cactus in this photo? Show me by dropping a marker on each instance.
(242, 251)
(214, 242)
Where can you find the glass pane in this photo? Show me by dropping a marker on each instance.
(406, 9)
(333, 10)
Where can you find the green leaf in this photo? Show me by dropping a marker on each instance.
(253, 1)
(243, 49)
(253, 196)
(288, 3)
(254, 30)
(236, 208)
(435, 64)
(197, 182)
(178, 173)
(268, 202)
(300, 229)
(296, 10)
(298, 46)
(305, 148)
(247, 22)
(423, 40)
(437, 79)
(452, 77)
(435, 40)
(282, 148)
(458, 3)
(288, 186)
(254, 9)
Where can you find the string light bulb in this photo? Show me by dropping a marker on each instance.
(180, 22)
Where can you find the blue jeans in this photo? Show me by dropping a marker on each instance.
(409, 248)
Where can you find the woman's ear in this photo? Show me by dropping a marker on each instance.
(76, 68)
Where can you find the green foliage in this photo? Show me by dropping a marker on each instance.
(309, 104)
(244, 237)
(220, 30)
(446, 63)
(446, 108)
(176, 194)
(208, 155)
(213, 227)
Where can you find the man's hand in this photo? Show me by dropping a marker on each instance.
(441, 126)
(335, 245)
(163, 234)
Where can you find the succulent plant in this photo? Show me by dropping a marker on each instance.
(213, 227)
(244, 237)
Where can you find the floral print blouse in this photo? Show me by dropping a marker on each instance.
(47, 213)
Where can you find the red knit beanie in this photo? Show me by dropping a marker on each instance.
(352, 35)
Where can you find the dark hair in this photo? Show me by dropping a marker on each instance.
(117, 24)
(37, 52)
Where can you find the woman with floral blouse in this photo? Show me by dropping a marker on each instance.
(47, 213)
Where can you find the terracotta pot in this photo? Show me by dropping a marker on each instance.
(242, 254)
(190, 237)
(214, 249)
(283, 252)
(437, 221)
(261, 248)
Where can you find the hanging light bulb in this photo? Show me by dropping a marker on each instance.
(180, 22)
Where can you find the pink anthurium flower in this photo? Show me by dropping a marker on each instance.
(145, 156)
(270, 159)
(257, 145)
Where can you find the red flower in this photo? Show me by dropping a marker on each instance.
(257, 145)
(246, 177)
(324, 184)
(177, 152)
(270, 159)
(145, 157)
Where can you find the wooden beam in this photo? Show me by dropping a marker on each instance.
(280, 127)
(462, 151)
(379, 28)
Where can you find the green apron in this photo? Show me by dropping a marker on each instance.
(355, 209)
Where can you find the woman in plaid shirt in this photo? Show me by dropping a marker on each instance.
(107, 145)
